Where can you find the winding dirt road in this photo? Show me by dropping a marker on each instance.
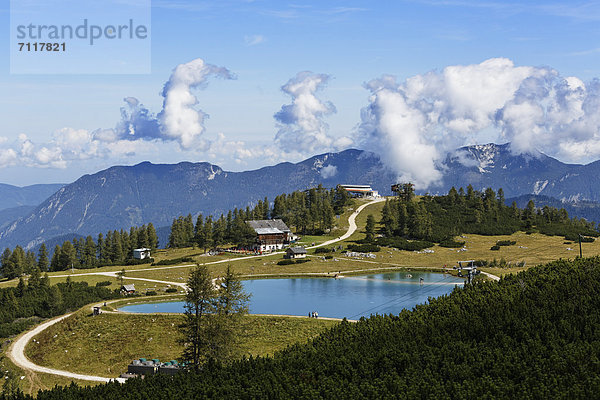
(16, 351)
(17, 354)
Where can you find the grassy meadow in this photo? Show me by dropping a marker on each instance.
(104, 345)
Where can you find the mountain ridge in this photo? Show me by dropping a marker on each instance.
(12, 196)
(123, 196)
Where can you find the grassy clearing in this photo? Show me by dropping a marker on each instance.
(532, 249)
(104, 345)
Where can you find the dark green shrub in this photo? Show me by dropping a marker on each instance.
(171, 290)
(364, 248)
(506, 242)
(451, 243)
(175, 261)
(285, 262)
(103, 283)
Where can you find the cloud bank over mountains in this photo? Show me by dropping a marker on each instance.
(411, 124)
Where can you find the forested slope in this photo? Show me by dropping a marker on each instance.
(531, 335)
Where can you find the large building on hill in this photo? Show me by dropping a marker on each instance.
(271, 234)
(361, 190)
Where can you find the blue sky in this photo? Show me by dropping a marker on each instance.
(266, 44)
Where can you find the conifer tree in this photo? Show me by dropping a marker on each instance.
(133, 239)
(232, 303)
(388, 219)
(17, 261)
(197, 326)
(30, 262)
(6, 270)
(218, 232)
(188, 231)
(67, 257)
(89, 253)
(116, 247)
(101, 247)
(143, 241)
(174, 236)
(207, 237)
(55, 262)
(152, 237)
(34, 281)
(42, 262)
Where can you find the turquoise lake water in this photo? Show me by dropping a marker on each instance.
(351, 297)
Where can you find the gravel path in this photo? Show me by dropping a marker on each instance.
(16, 352)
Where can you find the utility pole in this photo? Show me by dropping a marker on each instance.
(580, 253)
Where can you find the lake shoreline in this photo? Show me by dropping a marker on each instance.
(373, 291)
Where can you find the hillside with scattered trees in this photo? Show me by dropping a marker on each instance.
(308, 212)
(531, 335)
(24, 305)
(114, 248)
(440, 219)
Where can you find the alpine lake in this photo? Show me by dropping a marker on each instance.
(350, 297)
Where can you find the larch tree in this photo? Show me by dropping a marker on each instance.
(232, 303)
(370, 229)
(199, 308)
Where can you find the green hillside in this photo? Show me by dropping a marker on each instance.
(531, 335)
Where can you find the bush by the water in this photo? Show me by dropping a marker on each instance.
(459, 346)
(171, 290)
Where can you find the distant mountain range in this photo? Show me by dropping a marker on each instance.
(123, 196)
(492, 165)
(15, 196)
(120, 197)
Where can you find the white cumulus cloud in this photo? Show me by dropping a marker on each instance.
(301, 124)
(413, 124)
(180, 119)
